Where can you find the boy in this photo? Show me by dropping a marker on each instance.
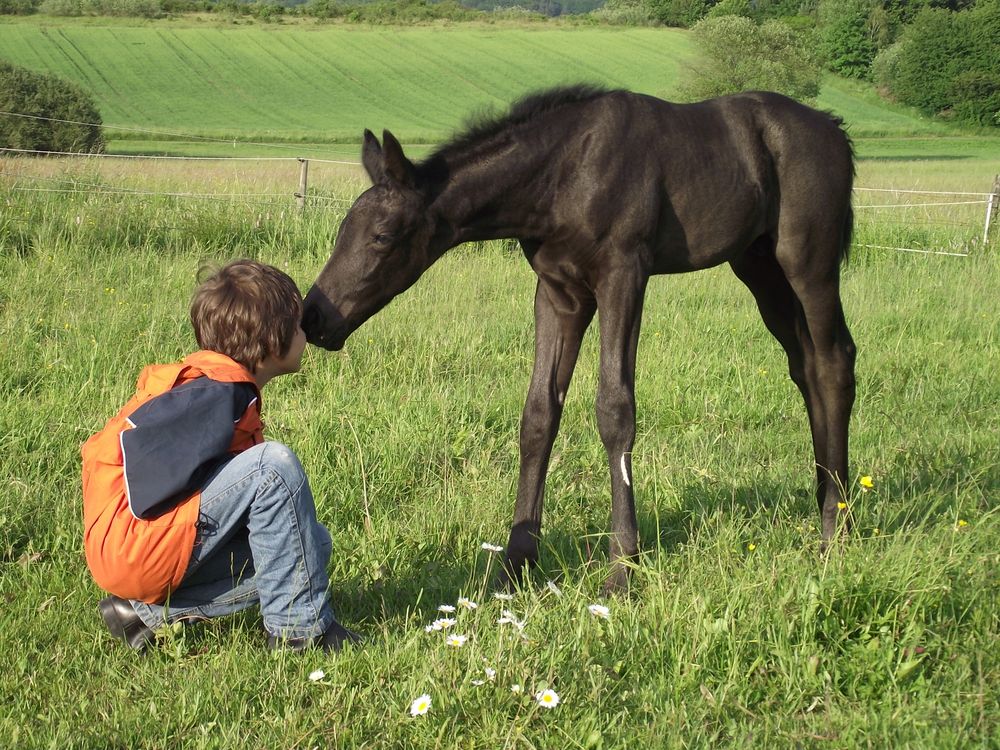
(188, 513)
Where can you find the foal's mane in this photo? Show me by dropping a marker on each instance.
(489, 123)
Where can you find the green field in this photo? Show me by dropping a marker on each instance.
(737, 632)
(331, 82)
(327, 83)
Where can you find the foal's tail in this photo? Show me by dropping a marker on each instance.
(847, 233)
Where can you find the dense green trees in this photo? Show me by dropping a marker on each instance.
(60, 115)
(942, 56)
(846, 36)
(947, 62)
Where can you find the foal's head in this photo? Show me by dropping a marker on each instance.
(381, 249)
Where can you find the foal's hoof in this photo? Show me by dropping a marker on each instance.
(510, 576)
(617, 583)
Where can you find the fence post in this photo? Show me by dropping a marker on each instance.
(303, 183)
(992, 204)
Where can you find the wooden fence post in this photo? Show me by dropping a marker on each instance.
(303, 183)
(992, 204)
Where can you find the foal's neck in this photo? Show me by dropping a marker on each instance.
(493, 191)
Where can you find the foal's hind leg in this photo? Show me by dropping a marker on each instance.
(562, 315)
(783, 316)
(817, 288)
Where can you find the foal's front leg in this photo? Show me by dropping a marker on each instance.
(561, 318)
(620, 301)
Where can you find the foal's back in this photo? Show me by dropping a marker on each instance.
(694, 185)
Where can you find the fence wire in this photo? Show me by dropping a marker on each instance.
(919, 227)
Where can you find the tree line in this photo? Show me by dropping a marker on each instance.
(359, 11)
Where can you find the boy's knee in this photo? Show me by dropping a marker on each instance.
(324, 542)
(280, 459)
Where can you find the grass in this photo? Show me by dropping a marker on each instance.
(737, 634)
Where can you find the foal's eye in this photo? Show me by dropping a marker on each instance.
(382, 239)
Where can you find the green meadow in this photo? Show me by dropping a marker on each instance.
(328, 82)
(311, 83)
(737, 632)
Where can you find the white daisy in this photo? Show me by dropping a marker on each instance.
(508, 618)
(553, 588)
(443, 623)
(547, 698)
(446, 608)
(316, 676)
(492, 547)
(456, 641)
(467, 603)
(421, 705)
(515, 688)
(503, 597)
(491, 674)
(599, 610)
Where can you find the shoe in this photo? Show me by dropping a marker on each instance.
(125, 624)
(332, 641)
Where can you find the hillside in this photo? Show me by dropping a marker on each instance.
(325, 84)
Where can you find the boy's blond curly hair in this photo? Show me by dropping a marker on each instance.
(247, 311)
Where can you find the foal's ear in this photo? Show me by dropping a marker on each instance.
(371, 158)
(397, 167)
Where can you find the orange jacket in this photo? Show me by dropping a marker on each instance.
(145, 558)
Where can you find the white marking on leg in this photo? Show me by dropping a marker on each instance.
(562, 397)
(625, 472)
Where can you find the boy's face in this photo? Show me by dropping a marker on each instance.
(292, 361)
(273, 366)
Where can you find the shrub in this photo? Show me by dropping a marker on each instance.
(61, 7)
(18, 7)
(28, 93)
(120, 8)
(885, 67)
(391, 12)
(624, 13)
(267, 11)
(129, 8)
(731, 8)
(739, 55)
(684, 13)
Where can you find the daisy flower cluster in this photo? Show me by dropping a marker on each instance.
(544, 696)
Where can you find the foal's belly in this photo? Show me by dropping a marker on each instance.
(677, 256)
(709, 237)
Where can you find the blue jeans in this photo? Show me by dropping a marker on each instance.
(258, 541)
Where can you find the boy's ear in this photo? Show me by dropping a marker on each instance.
(395, 164)
(371, 158)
